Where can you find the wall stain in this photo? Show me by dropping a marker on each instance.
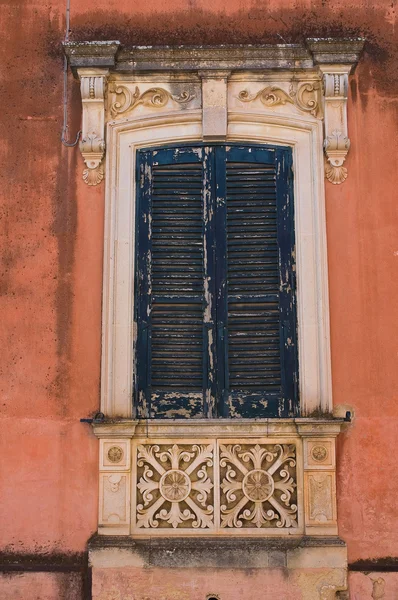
(254, 26)
(72, 569)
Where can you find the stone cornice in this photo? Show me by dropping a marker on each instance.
(329, 58)
(335, 51)
(91, 54)
(235, 57)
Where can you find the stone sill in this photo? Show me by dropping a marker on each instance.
(223, 428)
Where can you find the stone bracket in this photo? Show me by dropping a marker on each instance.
(92, 145)
(336, 59)
(336, 141)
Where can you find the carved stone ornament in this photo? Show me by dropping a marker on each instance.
(175, 486)
(336, 141)
(258, 486)
(115, 454)
(319, 453)
(305, 96)
(92, 148)
(336, 148)
(154, 97)
(92, 145)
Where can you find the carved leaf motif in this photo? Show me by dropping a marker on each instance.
(335, 175)
(93, 176)
(229, 485)
(258, 515)
(337, 142)
(146, 485)
(175, 516)
(257, 455)
(154, 97)
(305, 97)
(93, 144)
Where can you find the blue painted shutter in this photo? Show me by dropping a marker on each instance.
(174, 318)
(215, 283)
(259, 299)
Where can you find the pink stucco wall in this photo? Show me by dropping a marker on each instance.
(51, 238)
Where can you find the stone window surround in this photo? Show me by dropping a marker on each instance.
(289, 95)
(292, 95)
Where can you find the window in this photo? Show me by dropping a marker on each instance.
(215, 298)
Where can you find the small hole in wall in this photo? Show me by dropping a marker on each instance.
(212, 597)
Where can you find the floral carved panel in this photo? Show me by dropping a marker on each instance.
(219, 487)
(258, 486)
(175, 486)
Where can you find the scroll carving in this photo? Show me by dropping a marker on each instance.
(154, 97)
(269, 96)
(305, 96)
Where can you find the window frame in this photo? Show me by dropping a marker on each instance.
(303, 134)
(288, 404)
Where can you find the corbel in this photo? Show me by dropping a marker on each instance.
(91, 61)
(214, 104)
(92, 145)
(336, 59)
(336, 141)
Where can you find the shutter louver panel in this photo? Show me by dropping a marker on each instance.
(176, 336)
(254, 351)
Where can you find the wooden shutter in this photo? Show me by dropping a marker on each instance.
(215, 283)
(174, 335)
(259, 301)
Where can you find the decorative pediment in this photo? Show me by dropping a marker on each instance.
(303, 81)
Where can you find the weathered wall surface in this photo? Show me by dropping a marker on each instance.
(51, 239)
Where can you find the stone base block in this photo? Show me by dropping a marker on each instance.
(203, 569)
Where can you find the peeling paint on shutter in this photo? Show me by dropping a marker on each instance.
(173, 314)
(260, 243)
(215, 302)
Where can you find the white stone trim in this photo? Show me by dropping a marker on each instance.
(302, 132)
(212, 457)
